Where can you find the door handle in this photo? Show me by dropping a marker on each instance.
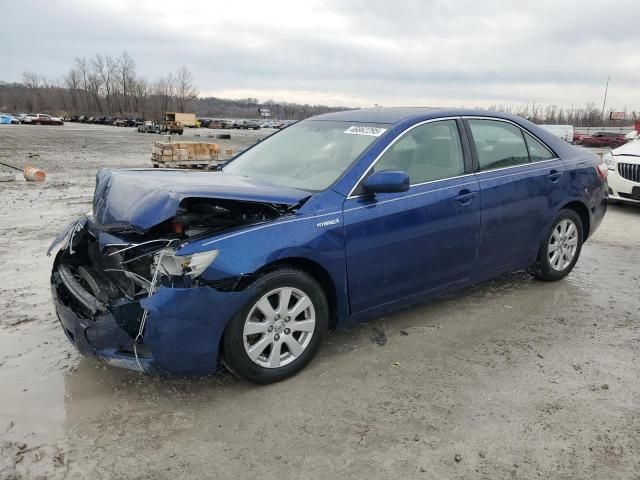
(465, 196)
(554, 175)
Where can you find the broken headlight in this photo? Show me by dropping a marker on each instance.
(167, 262)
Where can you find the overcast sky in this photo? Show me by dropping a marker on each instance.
(349, 52)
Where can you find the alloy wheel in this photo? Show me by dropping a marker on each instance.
(563, 245)
(279, 327)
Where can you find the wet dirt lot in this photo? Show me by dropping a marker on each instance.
(508, 379)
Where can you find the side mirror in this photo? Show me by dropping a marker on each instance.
(387, 181)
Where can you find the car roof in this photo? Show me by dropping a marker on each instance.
(393, 115)
(403, 117)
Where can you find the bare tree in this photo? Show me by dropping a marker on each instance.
(127, 76)
(83, 71)
(105, 69)
(186, 92)
(35, 83)
(72, 83)
(140, 94)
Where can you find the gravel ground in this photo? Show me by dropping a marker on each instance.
(512, 378)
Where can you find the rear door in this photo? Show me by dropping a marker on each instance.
(522, 183)
(399, 244)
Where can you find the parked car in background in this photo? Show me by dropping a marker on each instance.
(21, 117)
(250, 125)
(577, 137)
(6, 119)
(43, 119)
(565, 132)
(624, 172)
(149, 127)
(603, 139)
(333, 220)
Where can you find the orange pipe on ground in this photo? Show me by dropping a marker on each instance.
(33, 174)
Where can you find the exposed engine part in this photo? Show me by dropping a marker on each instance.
(199, 215)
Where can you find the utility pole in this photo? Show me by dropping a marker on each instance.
(606, 89)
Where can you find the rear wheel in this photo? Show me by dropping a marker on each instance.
(560, 248)
(279, 330)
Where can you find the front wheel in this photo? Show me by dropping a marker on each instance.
(560, 248)
(279, 330)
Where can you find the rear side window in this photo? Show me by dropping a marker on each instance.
(499, 144)
(537, 151)
(428, 152)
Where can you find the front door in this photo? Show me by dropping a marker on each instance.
(399, 244)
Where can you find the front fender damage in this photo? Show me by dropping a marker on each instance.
(185, 326)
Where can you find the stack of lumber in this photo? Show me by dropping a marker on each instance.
(184, 154)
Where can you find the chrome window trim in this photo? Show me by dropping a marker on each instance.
(480, 172)
(398, 137)
(473, 117)
(517, 166)
(463, 117)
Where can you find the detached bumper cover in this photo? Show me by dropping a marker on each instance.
(182, 334)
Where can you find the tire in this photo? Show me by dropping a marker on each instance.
(266, 364)
(560, 248)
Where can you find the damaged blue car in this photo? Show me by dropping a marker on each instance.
(326, 223)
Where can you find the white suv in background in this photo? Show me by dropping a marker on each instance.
(624, 172)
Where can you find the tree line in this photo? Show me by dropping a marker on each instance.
(110, 86)
(101, 85)
(589, 115)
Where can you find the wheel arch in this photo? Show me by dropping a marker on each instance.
(317, 272)
(582, 210)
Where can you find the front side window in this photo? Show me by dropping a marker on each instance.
(498, 144)
(428, 152)
(537, 151)
(309, 155)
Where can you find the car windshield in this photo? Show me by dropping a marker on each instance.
(308, 155)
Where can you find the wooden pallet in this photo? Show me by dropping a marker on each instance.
(195, 164)
(187, 155)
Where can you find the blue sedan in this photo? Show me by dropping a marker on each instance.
(331, 221)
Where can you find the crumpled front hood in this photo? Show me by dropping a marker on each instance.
(138, 199)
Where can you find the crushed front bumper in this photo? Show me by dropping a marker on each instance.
(183, 329)
(182, 333)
